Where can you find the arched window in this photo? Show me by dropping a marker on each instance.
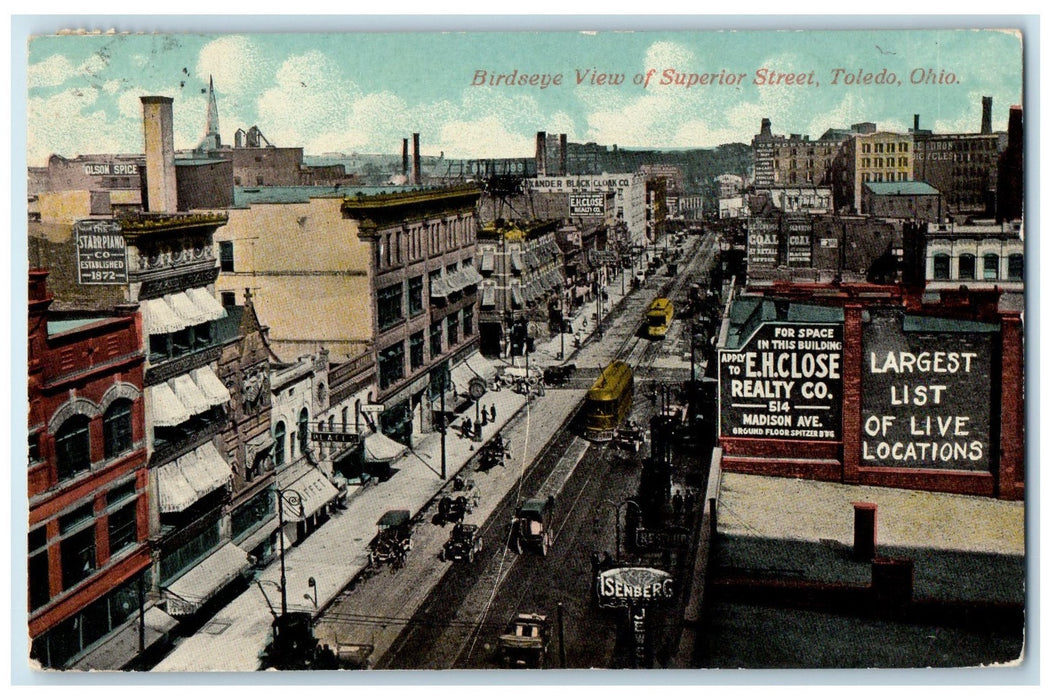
(279, 443)
(967, 266)
(116, 428)
(304, 430)
(73, 447)
(990, 266)
(941, 266)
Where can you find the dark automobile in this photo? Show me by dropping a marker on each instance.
(463, 543)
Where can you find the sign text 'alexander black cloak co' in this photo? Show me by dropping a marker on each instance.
(784, 383)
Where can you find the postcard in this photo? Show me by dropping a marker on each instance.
(498, 350)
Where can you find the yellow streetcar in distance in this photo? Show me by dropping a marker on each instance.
(608, 402)
(658, 317)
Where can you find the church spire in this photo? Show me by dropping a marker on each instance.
(211, 140)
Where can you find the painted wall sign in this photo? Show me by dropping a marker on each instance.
(925, 395)
(111, 169)
(590, 204)
(799, 234)
(785, 383)
(101, 253)
(764, 242)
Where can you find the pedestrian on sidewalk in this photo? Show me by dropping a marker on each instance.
(492, 412)
(465, 428)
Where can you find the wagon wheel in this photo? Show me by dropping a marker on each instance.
(480, 543)
(470, 556)
(441, 555)
(544, 544)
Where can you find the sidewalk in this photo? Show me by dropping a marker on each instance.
(333, 555)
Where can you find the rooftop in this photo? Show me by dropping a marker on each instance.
(910, 187)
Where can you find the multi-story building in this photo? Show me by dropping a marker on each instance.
(585, 191)
(89, 560)
(877, 156)
(522, 270)
(901, 200)
(794, 159)
(409, 256)
(986, 256)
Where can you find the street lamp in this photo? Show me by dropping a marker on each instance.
(313, 599)
(296, 501)
(616, 521)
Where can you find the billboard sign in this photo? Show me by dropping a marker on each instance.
(764, 241)
(621, 587)
(799, 233)
(101, 254)
(590, 204)
(784, 383)
(926, 393)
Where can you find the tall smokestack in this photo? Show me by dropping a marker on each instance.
(764, 127)
(417, 178)
(541, 153)
(987, 115)
(916, 123)
(405, 156)
(561, 154)
(161, 193)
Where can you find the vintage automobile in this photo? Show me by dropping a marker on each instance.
(524, 642)
(530, 525)
(629, 437)
(453, 509)
(463, 543)
(393, 540)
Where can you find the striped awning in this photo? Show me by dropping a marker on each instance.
(488, 261)
(305, 494)
(183, 482)
(456, 281)
(489, 295)
(439, 287)
(185, 308)
(196, 586)
(207, 303)
(516, 260)
(158, 318)
(165, 407)
(189, 395)
(211, 386)
(472, 276)
(516, 295)
(380, 448)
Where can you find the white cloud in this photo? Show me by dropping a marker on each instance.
(487, 137)
(57, 124)
(233, 61)
(52, 71)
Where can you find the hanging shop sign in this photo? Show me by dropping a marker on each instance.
(101, 253)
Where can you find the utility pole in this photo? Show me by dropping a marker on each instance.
(442, 422)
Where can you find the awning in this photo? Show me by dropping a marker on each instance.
(211, 386)
(472, 276)
(516, 295)
(186, 309)
(489, 295)
(196, 586)
(439, 287)
(456, 281)
(158, 318)
(531, 259)
(462, 374)
(207, 303)
(123, 646)
(488, 261)
(189, 395)
(314, 492)
(165, 407)
(183, 482)
(516, 260)
(380, 448)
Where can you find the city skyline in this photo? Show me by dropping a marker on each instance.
(328, 93)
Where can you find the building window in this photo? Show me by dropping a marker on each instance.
(967, 266)
(78, 548)
(123, 528)
(416, 295)
(452, 325)
(392, 364)
(941, 266)
(279, 443)
(1015, 266)
(116, 428)
(903, 147)
(304, 430)
(416, 351)
(39, 571)
(178, 561)
(436, 339)
(227, 298)
(468, 322)
(343, 417)
(226, 256)
(73, 447)
(990, 266)
(255, 511)
(389, 312)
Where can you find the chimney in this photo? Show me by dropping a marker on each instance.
(416, 177)
(764, 127)
(916, 123)
(405, 156)
(561, 154)
(161, 194)
(987, 115)
(541, 153)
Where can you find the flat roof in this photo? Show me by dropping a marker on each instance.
(243, 196)
(908, 187)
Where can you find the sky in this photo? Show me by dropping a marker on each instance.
(365, 92)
